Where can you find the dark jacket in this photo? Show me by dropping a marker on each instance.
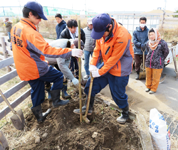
(140, 38)
(155, 58)
(66, 35)
(60, 27)
(8, 26)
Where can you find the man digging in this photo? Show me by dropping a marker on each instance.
(29, 49)
(113, 44)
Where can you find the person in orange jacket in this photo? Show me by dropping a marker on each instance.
(29, 51)
(113, 44)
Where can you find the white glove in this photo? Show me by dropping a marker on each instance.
(92, 68)
(75, 82)
(95, 73)
(77, 53)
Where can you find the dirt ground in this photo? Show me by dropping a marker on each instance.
(64, 131)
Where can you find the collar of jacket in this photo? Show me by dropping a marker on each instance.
(139, 29)
(62, 22)
(111, 35)
(25, 21)
(89, 28)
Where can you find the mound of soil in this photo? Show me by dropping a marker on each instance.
(64, 131)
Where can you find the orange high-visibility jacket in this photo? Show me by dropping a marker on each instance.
(117, 52)
(29, 49)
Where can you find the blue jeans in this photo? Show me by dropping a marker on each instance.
(9, 34)
(117, 87)
(38, 85)
(87, 58)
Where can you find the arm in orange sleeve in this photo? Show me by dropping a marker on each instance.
(96, 54)
(120, 47)
(37, 43)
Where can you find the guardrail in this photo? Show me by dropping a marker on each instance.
(6, 62)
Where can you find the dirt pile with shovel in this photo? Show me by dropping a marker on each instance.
(62, 130)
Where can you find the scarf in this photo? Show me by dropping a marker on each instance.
(153, 44)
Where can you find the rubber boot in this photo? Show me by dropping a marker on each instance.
(37, 111)
(124, 116)
(64, 92)
(137, 76)
(77, 111)
(55, 96)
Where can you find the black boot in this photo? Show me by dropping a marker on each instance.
(37, 111)
(55, 96)
(137, 76)
(64, 93)
(124, 116)
(77, 111)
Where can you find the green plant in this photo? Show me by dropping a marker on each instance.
(176, 16)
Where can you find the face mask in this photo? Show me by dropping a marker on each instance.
(142, 25)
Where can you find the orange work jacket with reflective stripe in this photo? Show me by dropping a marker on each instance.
(29, 49)
(116, 51)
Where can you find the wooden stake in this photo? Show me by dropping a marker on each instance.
(80, 73)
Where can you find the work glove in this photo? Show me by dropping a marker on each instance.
(143, 46)
(92, 68)
(75, 82)
(77, 53)
(95, 73)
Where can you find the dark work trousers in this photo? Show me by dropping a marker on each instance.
(38, 85)
(74, 66)
(117, 87)
(138, 61)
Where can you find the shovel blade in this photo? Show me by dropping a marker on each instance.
(19, 124)
(3, 142)
(142, 75)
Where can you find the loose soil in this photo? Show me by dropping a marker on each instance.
(66, 133)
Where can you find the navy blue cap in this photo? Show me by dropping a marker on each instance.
(36, 7)
(100, 22)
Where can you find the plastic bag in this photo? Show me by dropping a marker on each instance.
(159, 130)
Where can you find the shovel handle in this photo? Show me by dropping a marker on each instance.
(89, 94)
(7, 102)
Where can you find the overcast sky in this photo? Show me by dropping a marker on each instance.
(102, 5)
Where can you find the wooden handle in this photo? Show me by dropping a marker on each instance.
(7, 102)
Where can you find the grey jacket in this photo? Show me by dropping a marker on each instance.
(155, 58)
(88, 40)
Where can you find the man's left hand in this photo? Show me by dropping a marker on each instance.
(95, 73)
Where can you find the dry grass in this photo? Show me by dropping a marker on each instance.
(48, 28)
(169, 35)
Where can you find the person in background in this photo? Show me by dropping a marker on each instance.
(140, 38)
(157, 52)
(71, 32)
(8, 25)
(60, 26)
(88, 51)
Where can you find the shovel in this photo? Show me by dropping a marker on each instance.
(142, 75)
(18, 118)
(88, 102)
(3, 142)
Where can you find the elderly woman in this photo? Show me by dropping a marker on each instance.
(157, 52)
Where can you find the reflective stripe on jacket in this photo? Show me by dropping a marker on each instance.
(29, 49)
(117, 52)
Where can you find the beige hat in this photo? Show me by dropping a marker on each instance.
(89, 21)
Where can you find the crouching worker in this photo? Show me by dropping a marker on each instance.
(114, 45)
(157, 52)
(29, 49)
